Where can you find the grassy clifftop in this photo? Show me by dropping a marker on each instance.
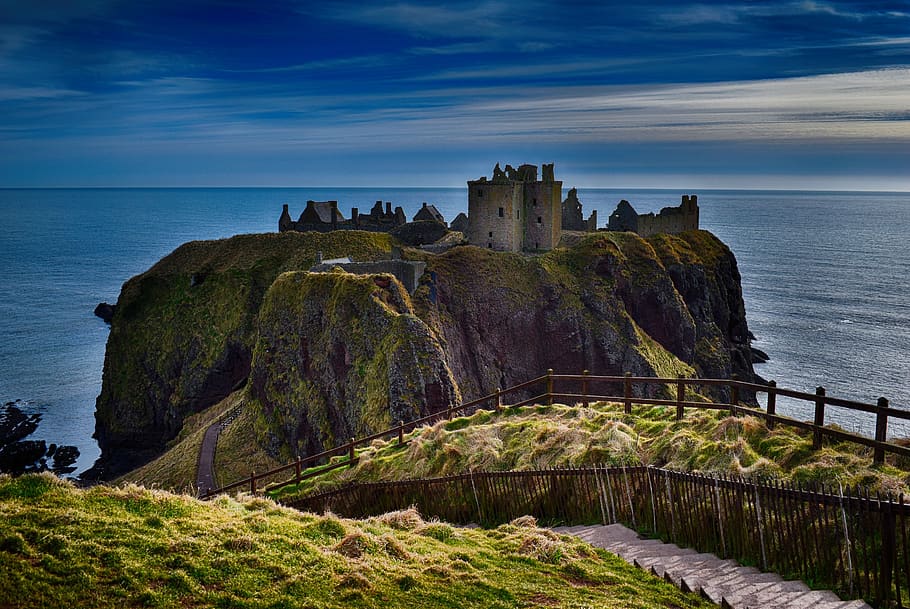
(131, 547)
(538, 437)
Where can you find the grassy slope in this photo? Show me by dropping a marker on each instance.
(107, 547)
(542, 436)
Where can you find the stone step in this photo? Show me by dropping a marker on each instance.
(781, 594)
(662, 564)
(723, 582)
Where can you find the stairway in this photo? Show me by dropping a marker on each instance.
(724, 582)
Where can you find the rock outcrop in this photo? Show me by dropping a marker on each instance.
(334, 355)
(341, 356)
(183, 332)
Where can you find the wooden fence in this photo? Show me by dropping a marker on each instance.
(841, 539)
(634, 391)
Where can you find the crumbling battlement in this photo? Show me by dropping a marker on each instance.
(670, 220)
(323, 216)
(573, 217)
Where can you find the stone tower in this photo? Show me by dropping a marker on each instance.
(514, 211)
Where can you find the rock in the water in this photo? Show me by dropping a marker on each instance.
(759, 356)
(64, 458)
(105, 311)
(15, 424)
(18, 457)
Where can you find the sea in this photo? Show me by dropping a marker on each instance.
(825, 276)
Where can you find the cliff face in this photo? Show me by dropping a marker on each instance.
(613, 303)
(330, 356)
(341, 356)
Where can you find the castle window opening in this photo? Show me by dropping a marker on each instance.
(491, 234)
(534, 201)
(490, 245)
(502, 212)
(480, 192)
(537, 245)
(539, 220)
(518, 214)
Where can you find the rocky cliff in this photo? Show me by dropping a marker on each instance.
(183, 332)
(612, 303)
(333, 355)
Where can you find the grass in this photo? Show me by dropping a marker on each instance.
(132, 547)
(550, 436)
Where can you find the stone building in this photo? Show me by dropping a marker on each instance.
(323, 216)
(429, 213)
(514, 211)
(460, 223)
(670, 220)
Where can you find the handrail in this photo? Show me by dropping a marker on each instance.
(879, 443)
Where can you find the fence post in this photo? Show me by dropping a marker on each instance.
(680, 396)
(734, 398)
(584, 388)
(351, 453)
(819, 417)
(627, 392)
(881, 430)
(772, 403)
(549, 386)
(253, 483)
(400, 432)
(498, 399)
(297, 470)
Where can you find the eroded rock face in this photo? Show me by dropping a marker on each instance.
(341, 356)
(611, 304)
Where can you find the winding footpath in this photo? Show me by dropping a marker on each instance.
(205, 467)
(724, 582)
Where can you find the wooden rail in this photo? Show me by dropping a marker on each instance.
(843, 539)
(675, 387)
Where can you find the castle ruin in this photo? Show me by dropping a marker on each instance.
(572, 216)
(514, 211)
(670, 220)
(323, 216)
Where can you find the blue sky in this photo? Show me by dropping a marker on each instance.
(774, 94)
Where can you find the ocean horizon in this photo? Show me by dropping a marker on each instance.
(825, 275)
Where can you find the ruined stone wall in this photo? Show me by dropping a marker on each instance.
(495, 213)
(671, 220)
